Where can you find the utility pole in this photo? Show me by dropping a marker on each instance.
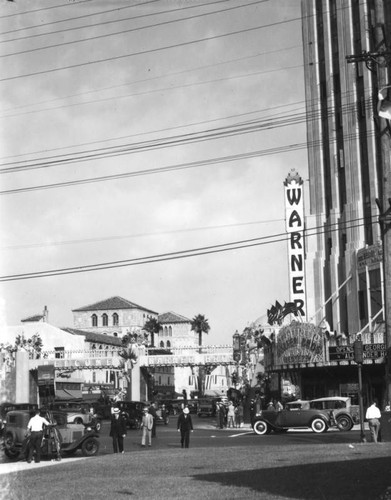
(379, 62)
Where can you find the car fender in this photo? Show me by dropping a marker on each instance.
(77, 444)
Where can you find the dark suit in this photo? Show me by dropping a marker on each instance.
(185, 425)
(117, 432)
(152, 411)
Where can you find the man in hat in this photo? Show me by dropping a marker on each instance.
(146, 426)
(117, 430)
(185, 426)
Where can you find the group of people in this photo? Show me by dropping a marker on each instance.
(230, 416)
(118, 430)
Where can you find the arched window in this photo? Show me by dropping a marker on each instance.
(115, 319)
(94, 319)
(170, 331)
(115, 334)
(161, 343)
(105, 320)
(165, 332)
(168, 344)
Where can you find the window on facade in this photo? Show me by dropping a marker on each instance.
(94, 320)
(168, 380)
(170, 331)
(160, 380)
(115, 334)
(165, 332)
(168, 344)
(59, 352)
(94, 377)
(105, 320)
(115, 319)
(161, 343)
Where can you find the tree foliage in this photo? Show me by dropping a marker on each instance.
(200, 325)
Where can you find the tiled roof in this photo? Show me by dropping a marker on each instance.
(171, 317)
(35, 318)
(95, 337)
(111, 304)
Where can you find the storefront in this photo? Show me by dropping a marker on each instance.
(322, 365)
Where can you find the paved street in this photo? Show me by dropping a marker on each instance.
(219, 464)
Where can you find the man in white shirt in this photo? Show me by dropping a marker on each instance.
(35, 427)
(373, 415)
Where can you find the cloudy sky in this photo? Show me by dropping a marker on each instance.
(148, 140)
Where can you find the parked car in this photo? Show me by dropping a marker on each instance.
(69, 437)
(297, 414)
(163, 416)
(78, 412)
(133, 412)
(206, 408)
(344, 413)
(6, 407)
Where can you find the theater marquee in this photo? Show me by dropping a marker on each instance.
(294, 217)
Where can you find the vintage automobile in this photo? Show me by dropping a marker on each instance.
(78, 412)
(163, 416)
(61, 438)
(297, 414)
(206, 408)
(6, 407)
(133, 412)
(344, 413)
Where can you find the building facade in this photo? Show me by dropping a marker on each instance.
(114, 316)
(348, 162)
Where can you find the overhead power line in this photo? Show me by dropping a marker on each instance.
(68, 4)
(139, 53)
(195, 252)
(132, 30)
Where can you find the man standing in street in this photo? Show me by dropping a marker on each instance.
(152, 411)
(372, 416)
(185, 425)
(117, 430)
(35, 427)
(146, 426)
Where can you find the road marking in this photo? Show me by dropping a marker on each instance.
(241, 434)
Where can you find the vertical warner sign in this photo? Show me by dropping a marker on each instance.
(294, 219)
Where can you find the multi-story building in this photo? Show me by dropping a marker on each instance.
(113, 316)
(349, 162)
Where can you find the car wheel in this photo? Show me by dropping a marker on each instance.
(261, 428)
(10, 448)
(318, 425)
(90, 447)
(344, 423)
(78, 420)
(98, 426)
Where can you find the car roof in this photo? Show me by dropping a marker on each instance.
(332, 398)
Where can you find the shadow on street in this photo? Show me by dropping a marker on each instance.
(359, 479)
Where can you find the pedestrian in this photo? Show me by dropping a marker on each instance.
(221, 415)
(239, 414)
(35, 428)
(278, 405)
(185, 426)
(146, 426)
(118, 430)
(231, 415)
(152, 411)
(373, 415)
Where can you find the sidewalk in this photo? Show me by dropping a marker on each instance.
(23, 465)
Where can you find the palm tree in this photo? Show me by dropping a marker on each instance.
(152, 326)
(200, 325)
